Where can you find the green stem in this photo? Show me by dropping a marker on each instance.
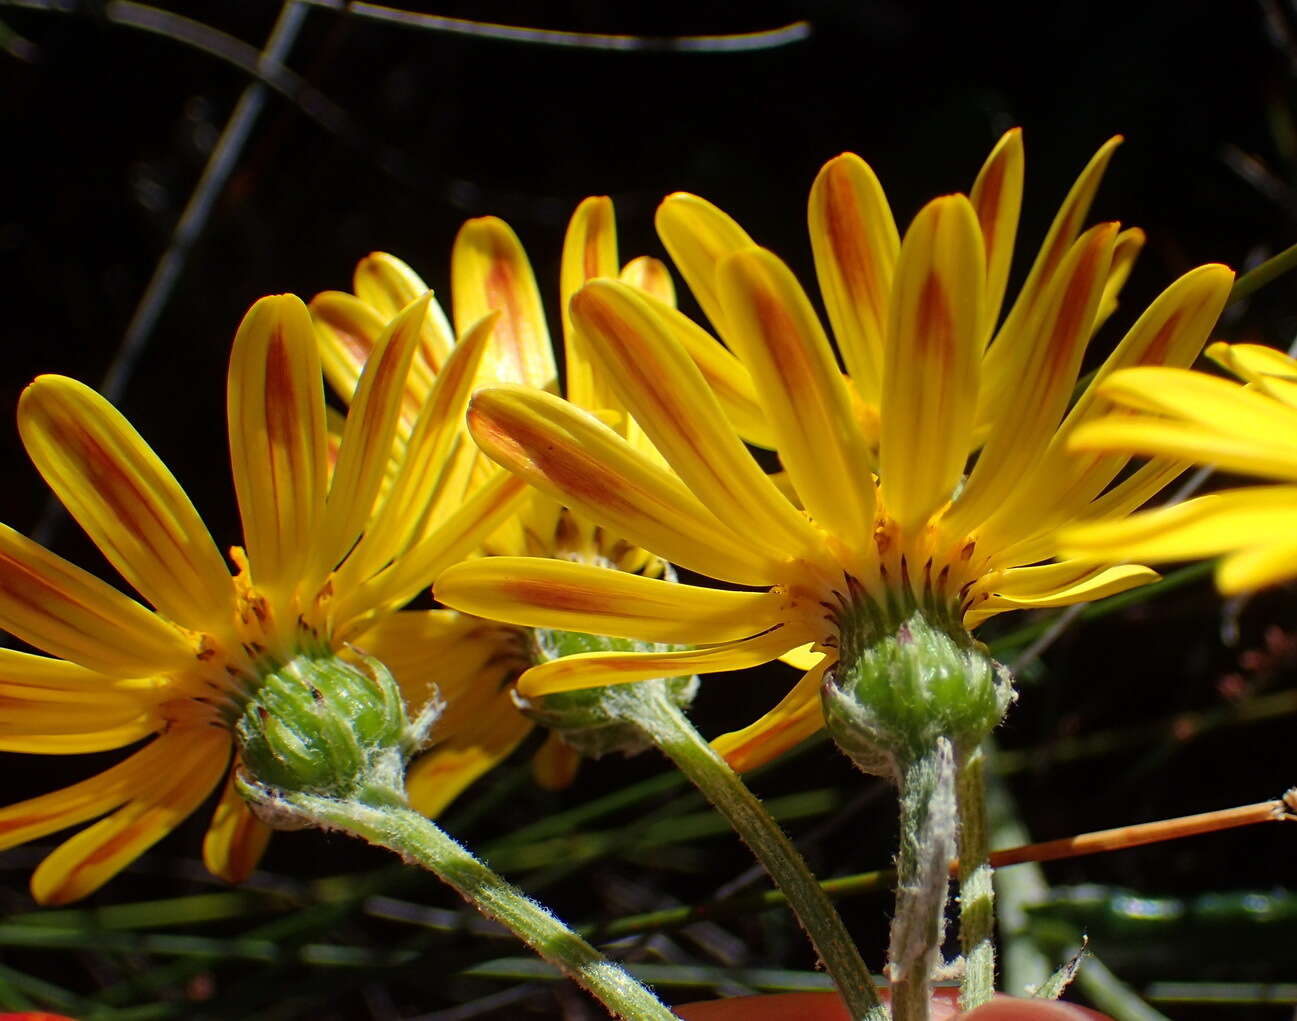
(928, 823)
(1259, 276)
(976, 893)
(647, 707)
(418, 839)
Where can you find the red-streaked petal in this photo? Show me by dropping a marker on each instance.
(661, 385)
(698, 236)
(489, 272)
(600, 669)
(1043, 377)
(83, 863)
(651, 276)
(367, 438)
(997, 200)
(49, 813)
(455, 538)
(69, 613)
(589, 252)
(792, 721)
(126, 500)
(278, 443)
(855, 241)
(236, 838)
(537, 592)
(777, 335)
(404, 515)
(578, 461)
(931, 369)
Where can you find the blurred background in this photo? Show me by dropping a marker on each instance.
(125, 264)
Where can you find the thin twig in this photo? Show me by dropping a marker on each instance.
(764, 39)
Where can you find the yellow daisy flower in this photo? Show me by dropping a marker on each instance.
(879, 512)
(321, 570)
(1190, 416)
(478, 660)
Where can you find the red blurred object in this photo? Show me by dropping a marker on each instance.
(829, 1007)
(35, 1015)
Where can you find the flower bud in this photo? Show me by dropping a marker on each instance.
(322, 725)
(894, 692)
(590, 720)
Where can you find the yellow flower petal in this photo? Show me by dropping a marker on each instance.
(728, 378)
(777, 335)
(348, 329)
(30, 713)
(792, 721)
(997, 200)
(600, 669)
(1063, 231)
(555, 765)
(489, 272)
(1252, 569)
(1046, 372)
(1064, 584)
(367, 439)
(452, 540)
(278, 443)
(651, 276)
(1063, 483)
(1130, 243)
(855, 242)
(235, 839)
(69, 613)
(1014, 333)
(803, 657)
(439, 777)
(125, 499)
(405, 517)
(102, 740)
(698, 236)
(1188, 441)
(1201, 527)
(657, 380)
(49, 813)
(589, 252)
(83, 863)
(1253, 362)
(389, 285)
(536, 592)
(57, 679)
(576, 460)
(1204, 400)
(930, 376)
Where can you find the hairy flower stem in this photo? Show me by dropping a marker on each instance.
(419, 840)
(928, 824)
(976, 893)
(647, 707)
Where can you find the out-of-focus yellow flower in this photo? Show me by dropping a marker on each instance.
(478, 660)
(1190, 416)
(879, 512)
(322, 570)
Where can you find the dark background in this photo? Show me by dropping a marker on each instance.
(106, 131)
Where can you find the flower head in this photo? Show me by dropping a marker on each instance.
(1181, 415)
(878, 513)
(322, 568)
(478, 660)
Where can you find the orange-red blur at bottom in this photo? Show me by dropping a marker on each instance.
(829, 1007)
(35, 1015)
